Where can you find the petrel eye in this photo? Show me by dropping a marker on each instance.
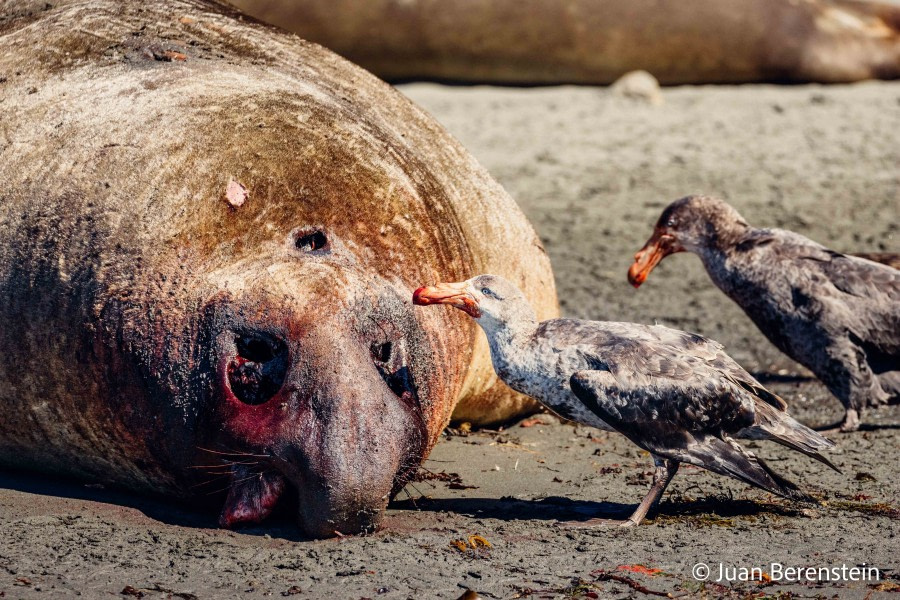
(672, 222)
(487, 292)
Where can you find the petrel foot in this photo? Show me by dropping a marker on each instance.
(851, 421)
(848, 424)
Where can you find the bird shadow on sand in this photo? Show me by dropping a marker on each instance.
(832, 428)
(878, 426)
(715, 511)
(280, 525)
(552, 508)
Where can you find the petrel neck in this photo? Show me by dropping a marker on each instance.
(726, 261)
(511, 337)
(721, 239)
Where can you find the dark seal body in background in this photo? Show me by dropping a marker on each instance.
(210, 231)
(598, 41)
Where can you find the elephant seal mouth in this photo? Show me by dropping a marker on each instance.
(252, 496)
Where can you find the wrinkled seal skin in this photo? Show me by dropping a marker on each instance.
(210, 233)
(597, 41)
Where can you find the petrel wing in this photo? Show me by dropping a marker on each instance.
(682, 420)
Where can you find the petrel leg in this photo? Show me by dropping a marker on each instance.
(663, 473)
(852, 381)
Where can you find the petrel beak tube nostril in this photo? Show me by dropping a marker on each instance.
(454, 294)
(660, 245)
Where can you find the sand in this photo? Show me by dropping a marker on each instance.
(592, 171)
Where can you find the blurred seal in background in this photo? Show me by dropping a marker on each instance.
(597, 41)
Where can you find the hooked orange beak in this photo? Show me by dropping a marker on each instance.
(660, 245)
(454, 294)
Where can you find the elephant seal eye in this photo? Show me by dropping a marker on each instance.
(258, 370)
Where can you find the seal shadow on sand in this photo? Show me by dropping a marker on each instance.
(279, 525)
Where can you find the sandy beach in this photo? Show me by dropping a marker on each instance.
(592, 170)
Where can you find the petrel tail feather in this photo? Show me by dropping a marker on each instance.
(727, 457)
(783, 429)
(763, 394)
(800, 444)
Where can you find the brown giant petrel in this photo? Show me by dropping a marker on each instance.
(837, 315)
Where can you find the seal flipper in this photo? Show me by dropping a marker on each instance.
(251, 497)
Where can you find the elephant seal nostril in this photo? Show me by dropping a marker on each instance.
(257, 348)
(258, 370)
(390, 360)
(382, 352)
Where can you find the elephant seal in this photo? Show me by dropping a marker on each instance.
(210, 233)
(597, 41)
